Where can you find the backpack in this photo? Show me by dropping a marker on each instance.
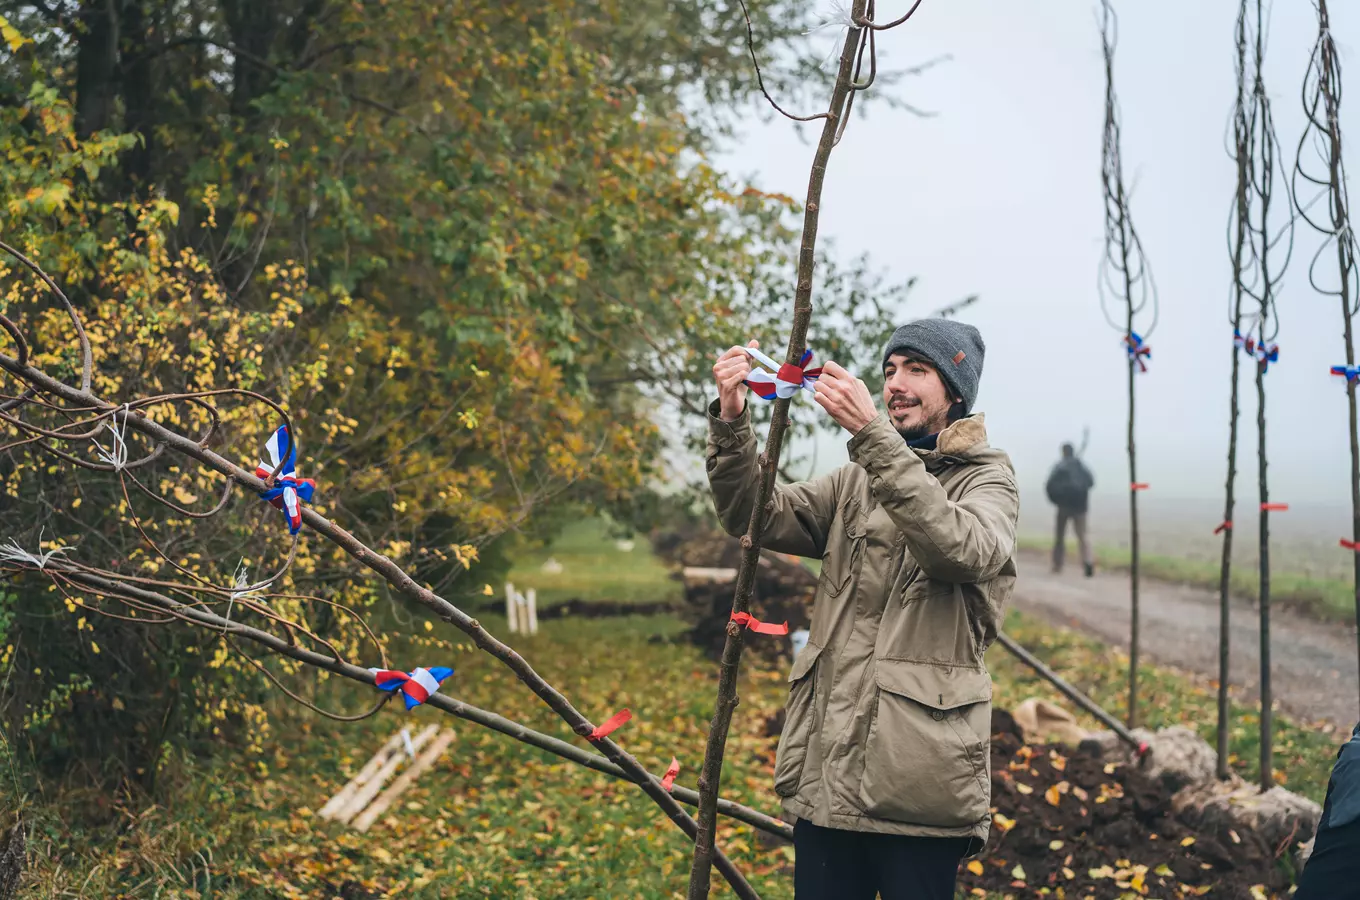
(1066, 488)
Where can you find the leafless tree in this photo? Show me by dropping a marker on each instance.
(1128, 294)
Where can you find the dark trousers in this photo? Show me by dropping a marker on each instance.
(831, 864)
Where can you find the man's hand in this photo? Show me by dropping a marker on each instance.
(845, 398)
(730, 372)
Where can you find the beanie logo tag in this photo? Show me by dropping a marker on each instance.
(959, 357)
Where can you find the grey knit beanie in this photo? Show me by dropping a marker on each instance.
(953, 348)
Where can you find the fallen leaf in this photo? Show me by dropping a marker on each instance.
(1233, 834)
(975, 867)
(1053, 795)
(1068, 873)
(1186, 842)
(1055, 845)
(1003, 823)
(1018, 873)
(1024, 789)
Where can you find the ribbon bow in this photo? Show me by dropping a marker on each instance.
(288, 488)
(1350, 373)
(787, 378)
(416, 687)
(1138, 351)
(1246, 344)
(1267, 354)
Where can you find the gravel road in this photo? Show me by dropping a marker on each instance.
(1314, 663)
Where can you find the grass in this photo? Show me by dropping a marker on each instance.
(1330, 599)
(594, 568)
(497, 819)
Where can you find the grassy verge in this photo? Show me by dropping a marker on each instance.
(1326, 598)
(594, 568)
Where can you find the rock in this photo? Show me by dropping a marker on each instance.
(1177, 755)
(1280, 818)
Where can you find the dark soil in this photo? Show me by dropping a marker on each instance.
(1067, 819)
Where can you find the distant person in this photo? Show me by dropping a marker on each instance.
(883, 756)
(1069, 484)
(1333, 869)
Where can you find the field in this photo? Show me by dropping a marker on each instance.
(498, 819)
(1309, 571)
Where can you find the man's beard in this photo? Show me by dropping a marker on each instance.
(915, 432)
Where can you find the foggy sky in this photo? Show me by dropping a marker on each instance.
(1000, 195)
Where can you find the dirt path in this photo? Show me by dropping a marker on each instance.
(1314, 663)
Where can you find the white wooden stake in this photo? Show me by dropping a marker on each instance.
(510, 605)
(366, 793)
(342, 797)
(533, 611)
(404, 781)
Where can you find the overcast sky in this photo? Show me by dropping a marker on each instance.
(1000, 195)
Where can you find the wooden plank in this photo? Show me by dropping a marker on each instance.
(365, 794)
(343, 796)
(404, 781)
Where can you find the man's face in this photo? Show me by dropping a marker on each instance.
(917, 399)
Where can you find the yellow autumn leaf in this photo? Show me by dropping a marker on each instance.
(1187, 841)
(1003, 823)
(975, 867)
(486, 589)
(1055, 845)
(1164, 870)
(1024, 789)
(12, 37)
(1053, 795)
(1018, 873)
(1068, 873)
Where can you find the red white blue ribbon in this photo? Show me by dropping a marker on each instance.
(1138, 351)
(1266, 354)
(416, 687)
(288, 489)
(785, 380)
(1350, 373)
(1246, 344)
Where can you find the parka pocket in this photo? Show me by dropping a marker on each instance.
(841, 557)
(925, 757)
(800, 711)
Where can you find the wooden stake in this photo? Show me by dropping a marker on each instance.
(365, 794)
(344, 795)
(404, 781)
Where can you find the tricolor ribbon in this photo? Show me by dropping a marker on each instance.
(668, 780)
(1274, 507)
(759, 627)
(1266, 354)
(1224, 526)
(288, 489)
(786, 380)
(1138, 351)
(610, 725)
(1246, 344)
(415, 687)
(1350, 373)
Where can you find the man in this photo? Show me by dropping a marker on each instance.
(1333, 869)
(884, 754)
(1068, 486)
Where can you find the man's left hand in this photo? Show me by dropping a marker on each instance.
(845, 398)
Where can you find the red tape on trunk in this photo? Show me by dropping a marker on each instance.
(1139, 486)
(759, 627)
(1225, 526)
(1274, 507)
(1350, 545)
(613, 723)
(668, 780)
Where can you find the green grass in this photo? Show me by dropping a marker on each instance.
(595, 569)
(497, 819)
(1326, 598)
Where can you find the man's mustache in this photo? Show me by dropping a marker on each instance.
(904, 398)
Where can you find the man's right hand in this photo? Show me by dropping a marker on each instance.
(730, 372)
